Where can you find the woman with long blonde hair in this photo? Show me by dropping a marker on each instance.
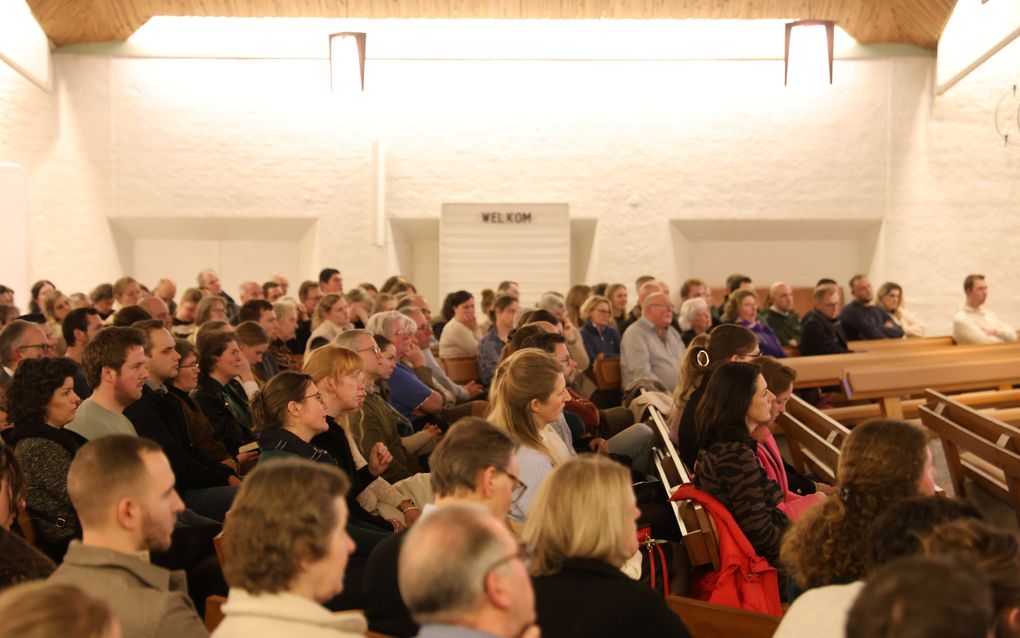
(582, 529)
(527, 395)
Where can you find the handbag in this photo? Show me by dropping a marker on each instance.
(658, 578)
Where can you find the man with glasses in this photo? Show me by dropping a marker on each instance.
(649, 349)
(457, 398)
(820, 331)
(474, 466)
(462, 574)
(408, 394)
(21, 340)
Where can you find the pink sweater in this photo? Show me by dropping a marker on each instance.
(793, 505)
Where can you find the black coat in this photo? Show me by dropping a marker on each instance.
(821, 335)
(161, 419)
(384, 608)
(229, 427)
(334, 441)
(592, 599)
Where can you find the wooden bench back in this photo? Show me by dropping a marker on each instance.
(976, 446)
(607, 374)
(980, 400)
(696, 525)
(901, 345)
(461, 370)
(705, 620)
(814, 439)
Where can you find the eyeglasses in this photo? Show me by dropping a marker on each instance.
(46, 347)
(524, 553)
(374, 349)
(191, 365)
(661, 305)
(567, 360)
(317, 395)
(404, 333)
(519, 486)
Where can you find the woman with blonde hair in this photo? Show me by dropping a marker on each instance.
(43, 610)
(882, 462)
(890, 298)
(582, 530)
(527, 395)
(576, 296)
(617, 296)
(329, 320)
(340, 376)
(601, 339)
(55, 308)
(210, 308)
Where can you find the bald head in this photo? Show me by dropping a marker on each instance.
(781, 296)
(157, 309)
(646, 289)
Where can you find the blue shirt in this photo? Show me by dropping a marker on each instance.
(604, 341)
(407, 392)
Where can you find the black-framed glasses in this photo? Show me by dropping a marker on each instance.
(317, 395)
(45, 347)
(519, 486)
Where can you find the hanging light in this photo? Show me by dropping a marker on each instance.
(806, 55)
(347, 53)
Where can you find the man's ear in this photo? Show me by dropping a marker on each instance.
(488, 475)
(498, 591)
(128, 514)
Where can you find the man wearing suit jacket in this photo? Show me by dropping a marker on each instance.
(122, 488)
(475, 465)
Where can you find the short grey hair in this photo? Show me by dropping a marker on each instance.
(381, 323)
(552, 301)
(349, 338)
(445, 560)
(11, 337)
(689, 308)
(284, 308)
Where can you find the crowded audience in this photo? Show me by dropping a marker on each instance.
(325, 437)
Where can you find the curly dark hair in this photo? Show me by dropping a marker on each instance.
(33, 386)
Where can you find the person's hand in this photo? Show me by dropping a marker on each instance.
(247, 460)
(793, 343)
(397, 525)
(412, 515)
(531, 631)
(379, 458)
(246, 373)
(825, 488)
(233, 481)
(569, 331)
(988, 331)
(414, 356)
(599, 446)
(473, 389)
(433, 430)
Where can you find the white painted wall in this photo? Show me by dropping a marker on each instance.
(633, 145)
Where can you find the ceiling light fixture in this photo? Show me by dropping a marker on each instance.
(830, 35)
(344, 48)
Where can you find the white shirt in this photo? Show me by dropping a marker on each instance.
(969, 324)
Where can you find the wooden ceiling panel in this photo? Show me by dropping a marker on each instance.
(918, 22)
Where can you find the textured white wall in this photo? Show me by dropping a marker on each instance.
(632, 145)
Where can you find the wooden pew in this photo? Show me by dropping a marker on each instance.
(889, 383)
(814, 439)
(607, 373)
(976, 446)
(214, 612)
(461, 370)
(696, 526)
(980, 400)
(705, 620)
(829, 370)
(902, 345)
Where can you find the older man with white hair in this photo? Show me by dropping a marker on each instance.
(780, 315)
(649, 349)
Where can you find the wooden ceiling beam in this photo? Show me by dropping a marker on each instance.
(918, 22)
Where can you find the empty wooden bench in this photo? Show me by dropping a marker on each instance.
(814, 439)
(983, 399)
(705, 620)
(977, 446)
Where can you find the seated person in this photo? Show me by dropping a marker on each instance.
(42, 610)
(582, 528)
(881, 463)
(975, 324)
(695, 319)
(474, 464)
(890, 298)
(863, 320)
(381, 422)
(440, 564)
(461, 334)
(899, 531)
(649, 349)
(207, 487)
(600, 336)
(122, 488)
(286, 327)
(183, 322)
(726, 342)
(263, 313)
(223, 400)
(780, 315)
(330, 319)
(254, 344)
(433, 374)
(502, 318)
(923, 597)
(116, 367)
(80, 326)
(39, 402)
(19, 561)
(821, 331)
(735, 403)
(742, 309)
(634, 442)
(288, 553)
(21, 340)
(528, 394)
